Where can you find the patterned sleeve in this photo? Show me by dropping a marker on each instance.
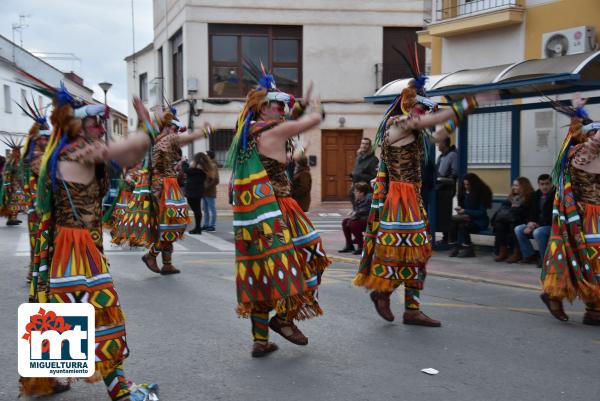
(587, 152)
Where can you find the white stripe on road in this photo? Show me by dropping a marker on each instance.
(213, 241)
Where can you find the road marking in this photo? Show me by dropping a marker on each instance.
(213, 241)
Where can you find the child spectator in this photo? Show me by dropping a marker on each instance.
(356, 224)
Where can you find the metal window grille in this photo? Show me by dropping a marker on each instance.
(219, 142)
(489, 139)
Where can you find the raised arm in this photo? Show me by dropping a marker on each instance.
(198, 133)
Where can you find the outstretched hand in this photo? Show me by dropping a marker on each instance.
(140, 109)
(578, 101)
(309, 91)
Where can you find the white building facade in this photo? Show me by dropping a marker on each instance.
(199, 47)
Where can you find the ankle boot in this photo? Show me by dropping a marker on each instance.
(381, 300)
(516, 256)
(467, 252)
(502, 254)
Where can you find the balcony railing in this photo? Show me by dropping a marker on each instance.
(448, 9)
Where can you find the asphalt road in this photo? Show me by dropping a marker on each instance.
(496, 343)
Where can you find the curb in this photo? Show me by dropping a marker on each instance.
(462, 277)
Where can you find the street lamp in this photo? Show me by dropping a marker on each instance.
(105, 86)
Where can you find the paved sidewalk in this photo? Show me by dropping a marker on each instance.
(481, 268)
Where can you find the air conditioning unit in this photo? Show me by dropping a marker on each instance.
(568, 41)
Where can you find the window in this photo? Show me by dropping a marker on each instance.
(159, 54)
(219, 142)
(279, 48)
(394, 66)
(7, 103)
(177, 65)
(144, 87)
(489, 139)
(23, 100)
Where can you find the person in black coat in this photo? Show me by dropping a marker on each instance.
(539, 222)
(194, 189)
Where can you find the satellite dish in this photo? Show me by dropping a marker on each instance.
(556, 46)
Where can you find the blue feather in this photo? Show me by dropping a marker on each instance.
(63, 96)
(174, 111)
(41, 120)
(245, 131)
(30, 153)
(53, 162)
(420, 81)
(581, 112)
(267, 81)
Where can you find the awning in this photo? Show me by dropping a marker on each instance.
(578, 72)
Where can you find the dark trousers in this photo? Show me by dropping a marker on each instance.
(443, 221)
(505, 234)
(195, 205)
(354, 228)
(461, 230)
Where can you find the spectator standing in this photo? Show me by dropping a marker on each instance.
(210, 192)
(474, 199)
(194, 189)
(539, 222)
(356, 223)
(445, 186)
(302, 183)
(513, 212)
(365, 165)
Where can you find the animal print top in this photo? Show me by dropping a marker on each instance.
(165, 155)
(84, 208)
(586, 186)
(403, 162)
(279, 179)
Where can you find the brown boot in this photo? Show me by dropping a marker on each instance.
(296, 336)
(382, 304)
(516, 256)
(591, 317)
(502, 254)
(418, 318)
(150, 263)
(263, 348)
(169, 269)
(555, 307)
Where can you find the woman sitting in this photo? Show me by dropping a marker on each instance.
(512, 213)
(356, 224)
(474, 198)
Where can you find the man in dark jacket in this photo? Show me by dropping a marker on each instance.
(365, 165)
(194, 190)
(539, 222)
(445, 186)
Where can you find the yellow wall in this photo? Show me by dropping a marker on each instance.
(497, 179)
(556, 16)
(436, 55)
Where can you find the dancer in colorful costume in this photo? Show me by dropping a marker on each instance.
(571, 266)
(113, 217)
(12, 197)
(157, 215)
(69, 263)
(397, 242)
(31, 158)
(279, 254)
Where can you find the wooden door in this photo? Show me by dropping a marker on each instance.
(338, 149)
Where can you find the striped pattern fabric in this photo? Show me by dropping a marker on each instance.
(173, 211)
(139, 225)
(269, 274)
(396, 245)
(571, 265)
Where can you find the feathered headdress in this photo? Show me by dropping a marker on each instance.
(39, 128)
(12, 141)
(265, 91)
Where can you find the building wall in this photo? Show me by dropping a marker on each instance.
(342, 42)
(483, 49)
(144, 63)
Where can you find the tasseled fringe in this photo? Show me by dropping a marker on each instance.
(589, 293)
(112, 315)
(411, 255)
(36, 386)
(559, 287)
(298, 307)
(374, 283)
(318, 265)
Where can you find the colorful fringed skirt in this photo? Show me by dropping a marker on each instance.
(79, 274)
(33, 219)
(118, 213)
(565, 273)
(139, 224)
(397, 245)
(173, 210)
